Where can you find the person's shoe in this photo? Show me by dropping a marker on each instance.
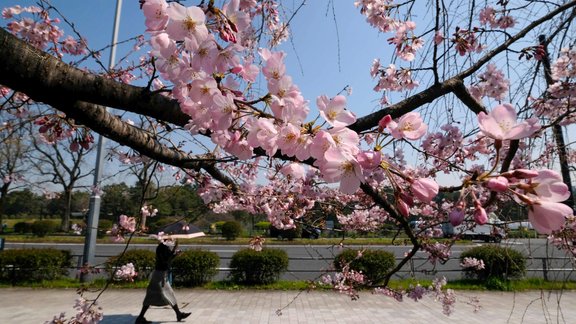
(142, 320)
(182, 316)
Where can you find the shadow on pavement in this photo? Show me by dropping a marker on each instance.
(119, 319)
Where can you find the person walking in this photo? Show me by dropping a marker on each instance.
(159, 291)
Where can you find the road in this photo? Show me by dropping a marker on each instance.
(310, 262)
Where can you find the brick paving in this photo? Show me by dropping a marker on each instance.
(26, 305)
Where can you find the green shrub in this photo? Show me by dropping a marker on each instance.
(252, 268)
(33, 265)
(262, 226)
(195, 267)
(216, 227)
(374, 264)
(500, 262)
(143, 261)
(44, 227)
(522, 233)
(23, 227)
(231, 230)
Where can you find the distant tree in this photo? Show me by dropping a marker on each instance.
(180, 200)
(13, 149)
(117, 200)
(23, 202)
(61, 163)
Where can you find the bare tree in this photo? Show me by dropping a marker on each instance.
(14, 148)
(58, 164)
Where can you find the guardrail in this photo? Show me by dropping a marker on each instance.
(413, 267)
(538, 266)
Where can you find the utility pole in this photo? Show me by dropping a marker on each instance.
(94, 212)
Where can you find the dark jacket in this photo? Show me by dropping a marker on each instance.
(164, 257)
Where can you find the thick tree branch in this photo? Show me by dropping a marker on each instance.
(125, 134)
(440, 89)
(47, 79)
(81, 95)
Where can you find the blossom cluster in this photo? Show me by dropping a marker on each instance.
(561, 94)
(87, 312)
(496, 19)
(472, 263)
(42, 31)
(126, 225)
(126, 272)
(493, 84)
(446, 297)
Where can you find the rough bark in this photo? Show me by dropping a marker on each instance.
(557, 129)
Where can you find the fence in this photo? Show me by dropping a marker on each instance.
(547, 268)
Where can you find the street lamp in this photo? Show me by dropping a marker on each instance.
(94, 213)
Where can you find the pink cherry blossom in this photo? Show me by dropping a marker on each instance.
(409, 126)
(424, 189)
(501, 124)
(343, 167)
(548, 186)
(186, 22)
(127, 223)
(547, 217)
(288, 139)
(263, 133)
(294, 171)
(346, 139)
(274, 67)
(369, 159)
(334, 111)
(155, 14)
(320, 144)
(239, 147)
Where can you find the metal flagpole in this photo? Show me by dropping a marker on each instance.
(94, 211)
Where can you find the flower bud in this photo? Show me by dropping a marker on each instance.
(498, 184)
(480, 216)
(456, 216)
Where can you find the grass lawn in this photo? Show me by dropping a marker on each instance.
(210, 239)
(470, 285)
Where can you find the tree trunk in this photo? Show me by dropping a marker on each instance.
(65, 221)
(557, 130)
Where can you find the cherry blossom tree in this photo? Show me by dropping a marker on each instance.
(464, 95)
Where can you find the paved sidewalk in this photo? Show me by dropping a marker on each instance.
(26, 305)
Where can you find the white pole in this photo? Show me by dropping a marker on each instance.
(94, 211)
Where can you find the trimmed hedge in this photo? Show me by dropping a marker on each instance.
(33, 265)
(374, 264)
(143, 261)
(231, 230)
(44, 227)
(499, 262)
(195, 267)
(23, 227)
(251, 267)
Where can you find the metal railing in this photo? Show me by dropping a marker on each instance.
(541, 267)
